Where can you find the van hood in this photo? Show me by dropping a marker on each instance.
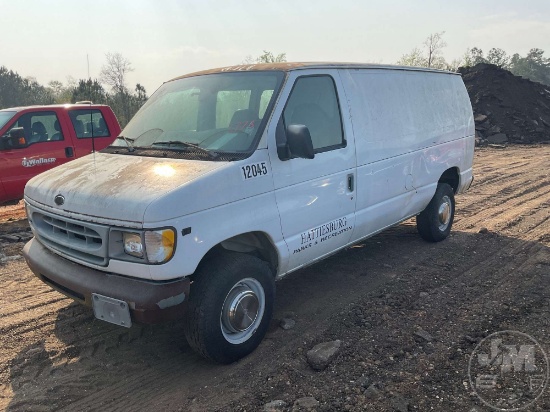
(113, 186)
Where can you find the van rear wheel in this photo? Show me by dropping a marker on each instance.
(434, 223)
(230, 306)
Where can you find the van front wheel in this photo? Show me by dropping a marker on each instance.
(434, 223)
(230, 306)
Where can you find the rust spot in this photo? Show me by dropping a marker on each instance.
(288, 66)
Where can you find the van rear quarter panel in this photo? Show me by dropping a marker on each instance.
(409, 127)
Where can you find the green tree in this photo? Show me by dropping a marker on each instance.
(266, 57)
(414, 58)
(534, 66)
(138, 99)
(141, 94)
(35, 93)
(11, 88)
(115, 71)
(498, 57)
(434, 45)
(430, 55)
(114, 74)
(18, 91)
(56, 87)
(61, 93)
(473, 56)
(89, 90)
(454, 65)
(269, 57)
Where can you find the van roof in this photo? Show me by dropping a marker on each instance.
(290, 66)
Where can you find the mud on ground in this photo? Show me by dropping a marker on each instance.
(374, 297)
(14, 231)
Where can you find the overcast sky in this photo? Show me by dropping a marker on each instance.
(166, 38)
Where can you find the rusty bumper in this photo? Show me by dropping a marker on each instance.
(149, 301)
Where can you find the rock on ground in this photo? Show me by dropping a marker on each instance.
(287, 323)
(421, 333)
(400, 404)
(322, 354)
(274, 406)
(307, 403)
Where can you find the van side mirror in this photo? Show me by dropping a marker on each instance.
(282, 145)
(15, 140)
(299, 141)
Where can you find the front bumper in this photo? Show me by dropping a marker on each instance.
(149, 301)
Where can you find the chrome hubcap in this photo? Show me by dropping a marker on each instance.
(242, 310)
(444, 213)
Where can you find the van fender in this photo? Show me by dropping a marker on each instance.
(250, 225)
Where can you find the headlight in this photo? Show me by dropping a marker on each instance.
(153, 246)
(132, 244)
(159, 245)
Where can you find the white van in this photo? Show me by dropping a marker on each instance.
(228, 179)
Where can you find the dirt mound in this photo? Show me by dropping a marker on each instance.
(507, 108)
(12, 212)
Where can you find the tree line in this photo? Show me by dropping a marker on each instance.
(533, 65)
(109, 88)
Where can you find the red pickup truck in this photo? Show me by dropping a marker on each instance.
(37, 138)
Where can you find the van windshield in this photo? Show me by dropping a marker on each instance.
(5, 117)
(211, 114)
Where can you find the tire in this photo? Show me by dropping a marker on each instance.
(228, 281)
(434, 223)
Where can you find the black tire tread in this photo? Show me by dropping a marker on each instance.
(223, 268)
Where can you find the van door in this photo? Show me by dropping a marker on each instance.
(47, 147)
(315, 197)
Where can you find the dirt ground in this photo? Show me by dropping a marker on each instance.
(408, 313)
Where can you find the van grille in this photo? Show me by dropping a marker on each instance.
(72, 238)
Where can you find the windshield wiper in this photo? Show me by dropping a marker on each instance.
(210, 154)
(129, 142)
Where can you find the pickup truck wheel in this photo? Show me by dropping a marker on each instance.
(230, 306)
(434, 223)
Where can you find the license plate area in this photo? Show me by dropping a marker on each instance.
(111, 310)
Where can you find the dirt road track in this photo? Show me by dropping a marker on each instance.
(56, 356)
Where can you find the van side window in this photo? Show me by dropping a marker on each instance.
(39, 127)
(313, 102)
(89, 123)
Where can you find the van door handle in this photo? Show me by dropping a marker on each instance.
(350, 182)
(69, 152)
